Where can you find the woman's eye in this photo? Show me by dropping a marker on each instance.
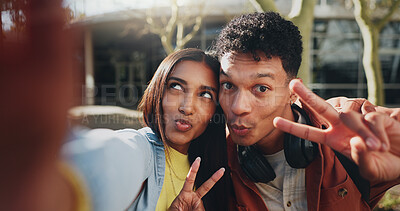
(207, 95)
(227, 85)
(261, 88)
(176, 86)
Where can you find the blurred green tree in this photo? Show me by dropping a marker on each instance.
(371, 17)
(302, 15)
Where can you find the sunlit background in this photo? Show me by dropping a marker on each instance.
(121, 39)
(120, 43)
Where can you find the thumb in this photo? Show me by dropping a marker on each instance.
(367, 107)
(362, 157)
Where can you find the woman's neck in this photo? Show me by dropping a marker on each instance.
(183, 149)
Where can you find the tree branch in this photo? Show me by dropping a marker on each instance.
(166, 44)
(172, 21)
(179, 34)
(196, 28)
(301, 8)
(267, 5)
(381, 23)
(153, 26)
(361, 12)
(126, 30)
(256, 5)
(190, 22)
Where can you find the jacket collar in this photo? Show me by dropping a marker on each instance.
(151, 136)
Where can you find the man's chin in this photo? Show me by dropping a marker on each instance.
(242, 140)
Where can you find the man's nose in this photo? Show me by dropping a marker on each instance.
(240, 104)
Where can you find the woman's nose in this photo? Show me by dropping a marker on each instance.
(187, 105)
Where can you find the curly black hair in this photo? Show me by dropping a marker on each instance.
(266, 32)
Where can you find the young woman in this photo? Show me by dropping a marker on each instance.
(146, 169)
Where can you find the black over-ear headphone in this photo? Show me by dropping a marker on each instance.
(299, 153)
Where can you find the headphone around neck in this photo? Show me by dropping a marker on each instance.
(299, 153)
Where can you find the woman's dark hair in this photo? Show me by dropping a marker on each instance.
(211, 145)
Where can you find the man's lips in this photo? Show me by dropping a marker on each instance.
(240, 130)
(182, 125)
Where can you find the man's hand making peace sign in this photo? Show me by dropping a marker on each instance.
(371, 140)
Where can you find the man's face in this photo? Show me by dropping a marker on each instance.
(252, 94)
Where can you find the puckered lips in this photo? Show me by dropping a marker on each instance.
(240, 130)
(183, 125)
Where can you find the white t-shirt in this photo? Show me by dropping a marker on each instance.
(287, 191)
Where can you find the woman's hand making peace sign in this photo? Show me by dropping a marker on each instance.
(188, 199)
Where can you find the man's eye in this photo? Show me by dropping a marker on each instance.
(175, 86)
(261, 88)
(227, 85)
(207, 95)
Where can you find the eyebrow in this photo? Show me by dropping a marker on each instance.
(178, 79)
(209, 88)
(258, 75)
(201, 87)
(263, 75)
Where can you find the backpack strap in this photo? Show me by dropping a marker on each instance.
(352, 169)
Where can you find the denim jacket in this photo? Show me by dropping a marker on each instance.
(115, 164)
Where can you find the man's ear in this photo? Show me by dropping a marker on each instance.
(293, 97)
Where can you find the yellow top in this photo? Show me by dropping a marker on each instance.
(176, 169)
(83, 202)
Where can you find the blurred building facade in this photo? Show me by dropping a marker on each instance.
(120, 57)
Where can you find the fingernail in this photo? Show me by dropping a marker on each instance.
(369, 108)
(223, 169)
(385, 147)
(198, 158)
(371, 143)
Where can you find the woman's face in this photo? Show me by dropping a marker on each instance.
(188, 103)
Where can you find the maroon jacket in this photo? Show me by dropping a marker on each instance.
(326, 181)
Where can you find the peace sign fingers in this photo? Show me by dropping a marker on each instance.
(207, 185)
(315, 102)
(189, 199)
(191, 177)
(300, 130)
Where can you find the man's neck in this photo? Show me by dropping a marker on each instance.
(273, 142)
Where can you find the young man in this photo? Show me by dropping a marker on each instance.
(260, 54)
